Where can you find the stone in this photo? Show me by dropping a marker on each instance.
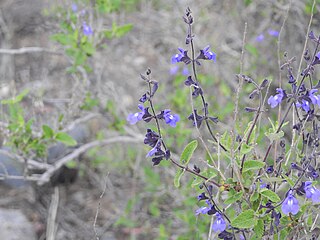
(15, 226)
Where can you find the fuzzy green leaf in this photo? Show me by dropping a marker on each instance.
(245, 149)
(177, 177)
(66, 139)
(188, 151)
(252, 165)
(47, 131)
(272, 196)
(244, 220)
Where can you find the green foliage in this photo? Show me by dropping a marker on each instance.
(117, 31)
(272, 196)
(65, 139)
(188, 152)
(177, 177)
(89, 102)
(21, 134)
(246, 219)
(80, 47)
(252, 165)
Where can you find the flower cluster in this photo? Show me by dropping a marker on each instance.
(153, 140)
(291, 204)
(182, 56)
(273, 101)
(86, 29)
(271, 32)
(219, 225)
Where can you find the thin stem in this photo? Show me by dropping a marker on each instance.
(278, 130)
(204, 103)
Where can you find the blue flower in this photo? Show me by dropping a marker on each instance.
(219, 224)
(204, 210)
(74, 7)
(202, 196)
(312, 192)
(133, 118)
(273, 33)
(170, 119)
(260, 38)
(185, 71)
(174, 70)
(208, 54)
(157, 148)
(177, 57)
(273, 101)
(290, 204)
(314, 99)
(305, 105)
(87, 31)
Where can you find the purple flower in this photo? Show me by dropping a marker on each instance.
(219, 224)
(260, 38)
(314, 99)
(290, 204)
(133, 118)
(273, 33)
(174, 70)
(197, 119)
(151, 138)
(87, 31)
(273, 101)
(312, 192)
(185, 71)
(177, 57)
(74, 7)
(83, 12)
(305, 105)
(157, 148)
(170, 119)
(208, 55)
(204, 210)
(202, 196)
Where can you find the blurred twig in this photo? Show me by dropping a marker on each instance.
(28, 50)
(98, 209)
(58, 164)
(53, 209)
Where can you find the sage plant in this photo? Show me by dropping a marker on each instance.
(249, 195)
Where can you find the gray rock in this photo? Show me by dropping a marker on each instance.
(11, 167)
(15, 226)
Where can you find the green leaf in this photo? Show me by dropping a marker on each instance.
(16, 99)
(177, 177)
(272, 196)
(254, 197)
(252, 165)
(122, 30)
(66, 139)
(272, 179)
(235, 197)
(244, 220)
(245, 148)
(47, 131)
(274, 136)
(88, 48)
(188, 151)
(258, 230)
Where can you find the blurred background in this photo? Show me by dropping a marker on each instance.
(74, 67)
